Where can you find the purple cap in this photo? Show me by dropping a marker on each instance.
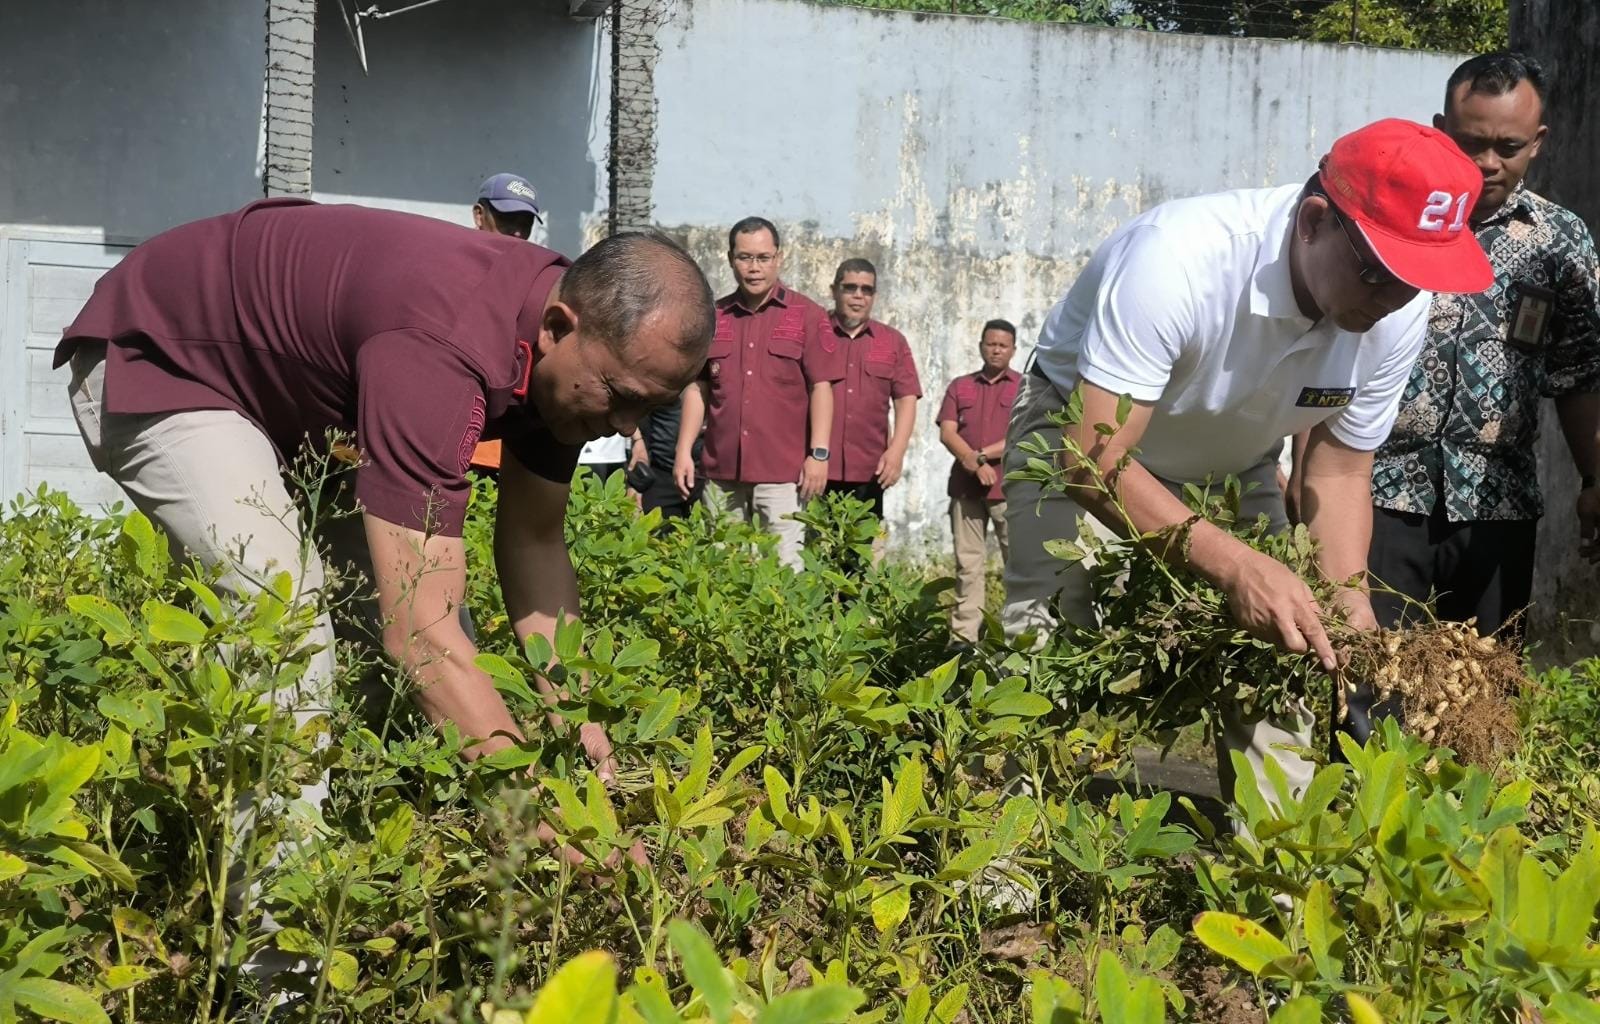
(510, 193)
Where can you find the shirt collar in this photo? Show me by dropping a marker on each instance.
(1518, 204)
(1006, 376)
(838, 328)
(1271, 284)
(779, 296)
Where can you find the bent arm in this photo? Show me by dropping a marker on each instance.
(1336, 504)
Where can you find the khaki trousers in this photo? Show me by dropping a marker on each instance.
(1034, 578)
(969, 527)
(210, 480)
(768, 505)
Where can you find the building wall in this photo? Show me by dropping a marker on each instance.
(128, 118)
(456, 92)
(978, 162)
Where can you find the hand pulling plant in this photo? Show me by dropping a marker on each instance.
(1166, 652)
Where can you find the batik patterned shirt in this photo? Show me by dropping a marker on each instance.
(1469, 416)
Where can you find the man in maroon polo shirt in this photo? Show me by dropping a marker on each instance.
(765, 395)
(879, 373)
(972, 425)
(215, 352)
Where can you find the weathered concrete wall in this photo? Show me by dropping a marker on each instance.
(129, 117)
(1566, 38)
(978, 162)
(456, 92)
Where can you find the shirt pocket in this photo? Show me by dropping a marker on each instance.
(784, 350)
(881, 373)
(717, 361)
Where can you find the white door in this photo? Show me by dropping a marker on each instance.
(46, 281)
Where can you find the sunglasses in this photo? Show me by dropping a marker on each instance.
(852, 288)
(1374, 276)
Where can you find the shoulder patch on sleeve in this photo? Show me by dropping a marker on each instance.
(469, 439)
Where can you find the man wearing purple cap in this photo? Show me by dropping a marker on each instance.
(507, 205)
(1231, 321)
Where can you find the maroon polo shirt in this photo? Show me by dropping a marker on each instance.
(760, 370)
(303, 318)
(981, 410)
(878, 368)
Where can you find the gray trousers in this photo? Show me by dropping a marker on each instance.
(770, 506)
(1033, 577)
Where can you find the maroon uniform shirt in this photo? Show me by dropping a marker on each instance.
(305, 318)
(878, 368)
(981, 409)
(760, 370)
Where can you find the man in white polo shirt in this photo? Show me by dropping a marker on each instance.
(1233, 320)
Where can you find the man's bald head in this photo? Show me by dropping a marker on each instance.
(635, 278)
(625, 331)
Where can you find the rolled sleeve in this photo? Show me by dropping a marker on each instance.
(822, 358)
(1365, 423)
(1573, 358)
(420, 412)
(1143, 312)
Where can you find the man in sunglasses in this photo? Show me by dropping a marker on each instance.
(879, 375)
(1231, 321)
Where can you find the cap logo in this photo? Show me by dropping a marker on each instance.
(517, 188)
(1438, 208)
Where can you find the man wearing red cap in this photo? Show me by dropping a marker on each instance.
(1231, 321)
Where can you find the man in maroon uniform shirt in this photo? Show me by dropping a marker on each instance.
(879, 374)
(972, 425)
(215, 352)
(765, 396)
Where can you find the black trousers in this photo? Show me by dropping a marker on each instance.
(870, 492)
(1481, 569)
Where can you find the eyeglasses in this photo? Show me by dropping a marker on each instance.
(853, 288)
(760, 259)
(1377, 277)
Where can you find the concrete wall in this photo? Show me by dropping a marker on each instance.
(978, 162)
(129, 117)
(456, 92)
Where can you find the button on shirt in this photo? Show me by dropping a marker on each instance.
(878, 369)
(1190, 307)
(980, 407)
(306, 318)
(1469, 418)
(759, 371)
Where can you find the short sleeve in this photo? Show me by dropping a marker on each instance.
(906, 382)
(823, 358)
(1142, 316)
(419, 414)
(539, 452)
(947, 408)
(1365, 423)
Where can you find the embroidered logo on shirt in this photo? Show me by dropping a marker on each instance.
(1325, 398)
(469, 440)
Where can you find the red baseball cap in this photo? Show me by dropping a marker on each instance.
(1409, 190)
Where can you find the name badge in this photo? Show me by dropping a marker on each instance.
(1325, 398)
(1530, 317)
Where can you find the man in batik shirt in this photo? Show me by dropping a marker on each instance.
(1456, 485)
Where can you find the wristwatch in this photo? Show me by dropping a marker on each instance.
(983, 459)
(820, 454)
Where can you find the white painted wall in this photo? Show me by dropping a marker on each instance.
(978, 162)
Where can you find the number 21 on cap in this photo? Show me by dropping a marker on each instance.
(1438, 209)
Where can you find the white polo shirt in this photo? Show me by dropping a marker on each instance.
(1189, 306)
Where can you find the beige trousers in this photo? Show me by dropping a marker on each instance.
(768, 505)
(969, 528)
(1033, 578)
(210, 480)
